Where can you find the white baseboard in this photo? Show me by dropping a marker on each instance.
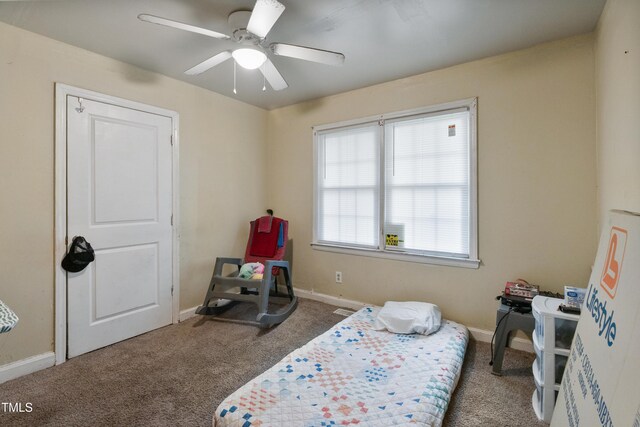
(187, 314)
(26, 366)
(482, 335)
(330, 299)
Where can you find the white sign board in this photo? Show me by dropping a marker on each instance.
(601, 382)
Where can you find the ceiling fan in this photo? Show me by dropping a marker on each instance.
(249, 30)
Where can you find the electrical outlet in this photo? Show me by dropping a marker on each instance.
(338, 276)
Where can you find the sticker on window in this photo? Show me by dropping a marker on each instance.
(392, 240)
(452, 130)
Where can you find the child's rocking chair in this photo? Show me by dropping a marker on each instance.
(267, 244)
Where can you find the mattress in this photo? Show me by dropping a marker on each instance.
(353, 375)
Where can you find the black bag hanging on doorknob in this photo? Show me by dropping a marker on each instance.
(79, 256)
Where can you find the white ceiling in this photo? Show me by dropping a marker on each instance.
(382, 39)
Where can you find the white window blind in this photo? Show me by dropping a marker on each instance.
(427, 183)
(348, 186)
(400, 185)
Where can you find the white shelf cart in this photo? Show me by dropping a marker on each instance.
(552, 342)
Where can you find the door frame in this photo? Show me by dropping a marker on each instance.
(60, 203)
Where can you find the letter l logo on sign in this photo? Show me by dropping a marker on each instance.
(613, 261)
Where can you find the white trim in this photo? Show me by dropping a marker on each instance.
(26, 366)
(188, 313)
(60, 203)
(60, 225)
(175, 189)
(397, 114)
(481, 335)
(65, 90)
(330, 299)
(473, 181)
(314, 218)
(422, 259)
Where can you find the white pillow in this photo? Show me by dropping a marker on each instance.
(409, 317)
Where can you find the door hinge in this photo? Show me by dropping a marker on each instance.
(171, 290)
(171, 140)
(66, 240)
(171, 219)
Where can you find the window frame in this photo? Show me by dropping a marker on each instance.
(472, 261)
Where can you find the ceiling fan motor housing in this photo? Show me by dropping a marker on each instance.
(238, 22)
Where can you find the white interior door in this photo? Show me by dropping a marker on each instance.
(119, 197)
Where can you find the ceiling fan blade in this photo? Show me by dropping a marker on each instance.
(209, 63)
(307, 53)
(265, 14)
(273, 76)
(181, 26)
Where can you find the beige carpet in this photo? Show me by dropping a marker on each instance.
(483, 399)
(177, 376)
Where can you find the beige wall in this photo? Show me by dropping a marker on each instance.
(617, 63)
(537, 195)
(537, 203)
(220, 191)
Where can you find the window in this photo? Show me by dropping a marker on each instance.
(401, 185)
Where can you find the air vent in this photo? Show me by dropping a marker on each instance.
(344, 312)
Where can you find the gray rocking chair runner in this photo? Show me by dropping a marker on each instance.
(267, 244)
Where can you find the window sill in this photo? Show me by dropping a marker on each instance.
(422, 259)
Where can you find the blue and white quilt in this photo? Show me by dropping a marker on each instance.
(354, 375)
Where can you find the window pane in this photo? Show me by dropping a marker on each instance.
(426, 199)
(348, 186)
(427, 183)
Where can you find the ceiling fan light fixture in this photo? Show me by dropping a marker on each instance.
(249, 58)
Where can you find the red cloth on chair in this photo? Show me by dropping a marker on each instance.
(265, 244)
(264, 224)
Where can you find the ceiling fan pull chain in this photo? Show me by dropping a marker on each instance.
(234, 77)
(264, 80)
